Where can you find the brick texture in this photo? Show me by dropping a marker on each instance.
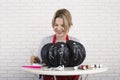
(23, 23)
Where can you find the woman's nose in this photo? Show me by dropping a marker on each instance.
(59, 28)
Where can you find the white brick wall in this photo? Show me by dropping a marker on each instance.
(23, 23)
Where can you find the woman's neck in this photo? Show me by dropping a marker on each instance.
(61, 38)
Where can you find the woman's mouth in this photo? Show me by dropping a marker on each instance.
(59, 32)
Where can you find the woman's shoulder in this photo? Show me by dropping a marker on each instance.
(47, 39)
(73, 38)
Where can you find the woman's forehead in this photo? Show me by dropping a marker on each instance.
(59, 20)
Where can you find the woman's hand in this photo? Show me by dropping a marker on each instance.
(34, 59)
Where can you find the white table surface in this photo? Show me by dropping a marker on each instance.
(67, 71)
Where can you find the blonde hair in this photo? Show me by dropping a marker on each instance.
(65, 15)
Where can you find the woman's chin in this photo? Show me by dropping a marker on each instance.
(59, 35)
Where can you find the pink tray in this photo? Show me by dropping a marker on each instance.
(32, 66)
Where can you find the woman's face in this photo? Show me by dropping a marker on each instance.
(59, 28)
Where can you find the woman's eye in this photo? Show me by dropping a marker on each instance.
(56, 25)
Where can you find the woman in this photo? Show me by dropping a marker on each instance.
(61, 23)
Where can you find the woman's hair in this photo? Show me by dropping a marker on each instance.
(65, 15)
